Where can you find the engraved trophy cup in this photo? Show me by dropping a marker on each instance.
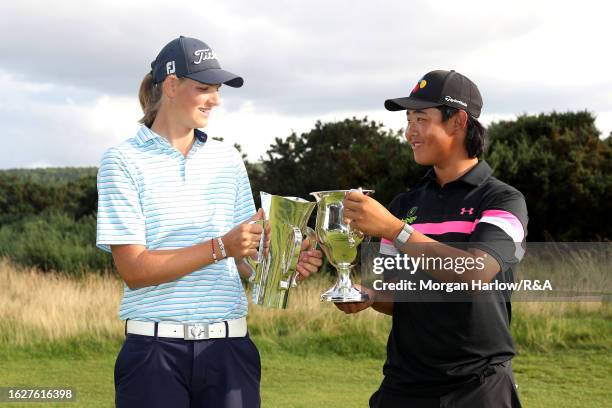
(275, 273)
(339, 243)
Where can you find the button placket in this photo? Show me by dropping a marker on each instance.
(188, 159)
(182, 167)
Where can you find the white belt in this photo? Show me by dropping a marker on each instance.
(190, 331)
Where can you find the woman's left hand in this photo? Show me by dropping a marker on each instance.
(310, 260)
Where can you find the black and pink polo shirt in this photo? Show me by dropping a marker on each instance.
(436, 346)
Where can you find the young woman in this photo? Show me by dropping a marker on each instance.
(175, 209)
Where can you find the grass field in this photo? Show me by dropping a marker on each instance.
(56, 331)
(553, 379)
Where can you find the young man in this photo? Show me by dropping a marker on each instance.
(443, 353)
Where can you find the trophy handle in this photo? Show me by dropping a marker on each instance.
(311, 236)
(252, 263)
(353, 233)
(293, 257)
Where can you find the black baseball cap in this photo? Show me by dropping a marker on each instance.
(191, 58)
(437, 88)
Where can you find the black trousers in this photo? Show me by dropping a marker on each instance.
(495, 388)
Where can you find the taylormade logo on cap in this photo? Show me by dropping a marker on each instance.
(449, 99)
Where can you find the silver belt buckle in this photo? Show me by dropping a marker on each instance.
(197, 331)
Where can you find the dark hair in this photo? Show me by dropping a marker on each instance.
(475, 136)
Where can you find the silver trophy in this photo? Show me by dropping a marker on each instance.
(275, 272)
(339, 242)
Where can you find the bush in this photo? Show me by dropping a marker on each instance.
(54, 241)
(25, 194)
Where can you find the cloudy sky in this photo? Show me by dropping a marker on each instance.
(70, 70)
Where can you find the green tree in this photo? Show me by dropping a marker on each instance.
(338, 155)
(564, 169)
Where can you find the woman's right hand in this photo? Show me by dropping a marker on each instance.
(243, 240)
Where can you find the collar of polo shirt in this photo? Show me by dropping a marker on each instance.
(145, 135)
(475, 176)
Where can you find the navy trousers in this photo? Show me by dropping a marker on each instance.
(165, 372)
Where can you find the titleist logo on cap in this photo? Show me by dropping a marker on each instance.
(204, 55)
(449, 99)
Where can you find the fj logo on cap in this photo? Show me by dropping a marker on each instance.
(170, 68)
(449, 99)
(203, 55)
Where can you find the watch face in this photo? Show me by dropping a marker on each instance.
(404, 235)
(401, 238)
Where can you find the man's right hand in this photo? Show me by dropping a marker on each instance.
(357, 307)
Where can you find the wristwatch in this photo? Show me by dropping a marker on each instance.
(403, 236)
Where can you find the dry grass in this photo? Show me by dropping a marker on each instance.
(51, 306)
(43, 306)
(562, 309)
(37, 306)
(304, 302)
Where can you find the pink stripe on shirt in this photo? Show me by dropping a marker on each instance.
(505, 220)
(438, 228)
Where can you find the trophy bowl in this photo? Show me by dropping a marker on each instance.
(339, 243)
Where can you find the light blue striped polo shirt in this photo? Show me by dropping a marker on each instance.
(150, 194)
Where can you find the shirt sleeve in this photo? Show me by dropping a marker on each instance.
(244, 207)
(502, 228)
(120, 217)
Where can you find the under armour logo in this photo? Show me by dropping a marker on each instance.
(470, 211)
(170, 68)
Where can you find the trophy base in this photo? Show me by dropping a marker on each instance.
(344, 295)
